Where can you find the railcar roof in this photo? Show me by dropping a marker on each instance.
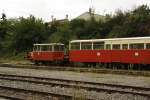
(49, 44)
(110, 39)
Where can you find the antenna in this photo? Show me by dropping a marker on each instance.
(91, 3)
(91, 9)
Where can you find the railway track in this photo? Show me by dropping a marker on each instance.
(79, 69)
(79, 85)
(4, 96)
(12, 93)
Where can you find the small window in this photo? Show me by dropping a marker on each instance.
(137, 46)
(116, 47)
(58, 47)
(75, 46)
(44, 48)
(86, 46)
(98, 45)
(36, 48)
(124, 46)
(50, 47)
(108, 47)
(147, 45)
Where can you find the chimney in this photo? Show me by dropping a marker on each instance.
(67, 16)
(52, 17)
(90, 10)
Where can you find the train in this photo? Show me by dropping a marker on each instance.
(113, 51)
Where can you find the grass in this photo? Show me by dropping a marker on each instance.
(11, 58)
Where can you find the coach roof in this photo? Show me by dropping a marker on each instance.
(110, 39)
(49, 44)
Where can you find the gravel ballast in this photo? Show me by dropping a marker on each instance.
(92, 77)
(70, 91)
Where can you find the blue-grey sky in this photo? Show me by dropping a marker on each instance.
(59, 8)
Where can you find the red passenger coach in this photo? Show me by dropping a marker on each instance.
(120, 50)
(47, 52)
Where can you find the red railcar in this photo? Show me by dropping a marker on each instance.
(121, 50)
(47, 52)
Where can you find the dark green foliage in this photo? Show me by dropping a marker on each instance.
(63, 34)
(27, 32)
(131, 24)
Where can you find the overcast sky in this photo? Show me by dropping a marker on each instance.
(59, 8)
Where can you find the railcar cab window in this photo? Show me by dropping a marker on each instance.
(116, 46)
(75, 46)
(98, 45)
(36, 48)
(45, 48)
(86, 45)
(137, 46)
(58, 48)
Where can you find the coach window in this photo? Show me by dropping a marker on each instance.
(147, 45)
(116, 46)
(137, 46)
(75, 46)
(98, 45)
(86, 45)
(108, 47)
(124, 46)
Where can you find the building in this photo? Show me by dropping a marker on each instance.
(60, 21)
(89, 14)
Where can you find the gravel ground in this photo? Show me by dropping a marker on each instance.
(75, 92)
(102, 78)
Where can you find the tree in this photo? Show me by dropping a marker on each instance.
(63, 35)
(27, 32)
